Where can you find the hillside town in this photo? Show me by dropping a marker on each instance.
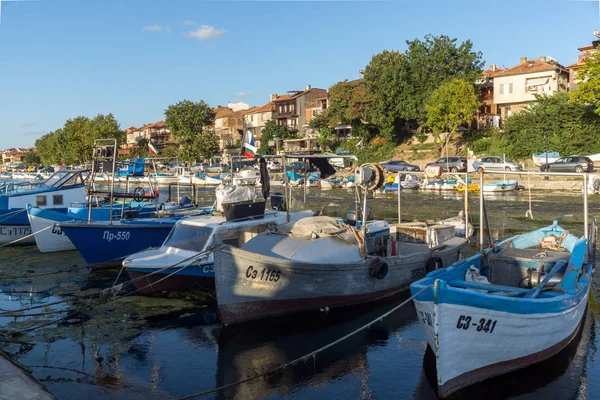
(503, 91)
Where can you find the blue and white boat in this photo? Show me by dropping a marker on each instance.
(407, 181)
(500, 186)
(55, 193)
(51, 238)
(541, 159)
(515, 305)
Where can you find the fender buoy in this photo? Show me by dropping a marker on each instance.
(503, 186)
(379, 269)
(596, 185)
(434, 263)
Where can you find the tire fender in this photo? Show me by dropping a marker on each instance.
(379, 269)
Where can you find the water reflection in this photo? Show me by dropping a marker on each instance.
(251, 350)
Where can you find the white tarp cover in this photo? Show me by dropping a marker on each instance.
(233, 194)
(316, 227)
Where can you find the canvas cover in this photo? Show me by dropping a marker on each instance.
(233, 194)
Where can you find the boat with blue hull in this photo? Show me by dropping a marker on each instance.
(55, 193)
(106, 244)
(509, 307)
(51, 238)
(501, 186)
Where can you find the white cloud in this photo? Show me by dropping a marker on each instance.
(189, 22)
(206, 32)
(167, 28)
(242, 94)
(152, 28)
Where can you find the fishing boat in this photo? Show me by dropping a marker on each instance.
(514, 305)
(440, 184)
(462, 228)
(185, 260)
(500, 186)
(212, 180)
(246, 176)
(407, 181)
(540, 159)
(56, 193)
(320, 262)
(164, 179)
(593, 157)
(50, 238)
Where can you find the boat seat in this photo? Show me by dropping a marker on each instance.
(571, 277)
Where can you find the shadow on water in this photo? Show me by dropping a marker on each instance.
(561, 377)
(257, 348)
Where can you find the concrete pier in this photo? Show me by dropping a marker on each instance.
(16, 383)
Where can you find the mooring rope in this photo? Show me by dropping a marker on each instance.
(10, 214)
(309, 355)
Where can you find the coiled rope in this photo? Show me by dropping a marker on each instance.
(309, 355)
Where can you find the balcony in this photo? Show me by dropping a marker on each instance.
(285, 114)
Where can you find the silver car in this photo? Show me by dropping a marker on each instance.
(493, 163)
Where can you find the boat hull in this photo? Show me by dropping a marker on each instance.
(105, 245)
(10, 233)
(49, 238)
(147, 280)
(251, 286)
(500, 186)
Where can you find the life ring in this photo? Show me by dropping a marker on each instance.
(139, 193)
(379, 269)
(433, 264)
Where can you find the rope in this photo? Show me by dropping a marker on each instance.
(529, 213)
(10, 214)
(309, 355)
(27, 236)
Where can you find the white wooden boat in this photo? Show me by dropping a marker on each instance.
(246, 176)
(500, 186)
(594, 157)
(540, 159)
(318, 262)
(212, 180)
(519, 304)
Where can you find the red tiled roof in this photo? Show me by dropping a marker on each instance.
(255, 110)
(531, 66)
(222, 112)
(491, 73)
(284, 97)
(588, 47)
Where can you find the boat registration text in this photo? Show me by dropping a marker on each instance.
(110, 236)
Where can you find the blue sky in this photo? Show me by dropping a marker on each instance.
(63, 58)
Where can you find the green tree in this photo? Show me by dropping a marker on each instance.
(572, 128)
(32, 158)
(588, 90)
(188, 121)
(272, 131)
(451, 105)
(141, 151)
(401, 83)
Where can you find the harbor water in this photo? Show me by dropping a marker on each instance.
(172, 345)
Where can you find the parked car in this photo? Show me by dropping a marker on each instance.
(569, 164)
(493, 163)
(218, 168)
(398, 165)
(199, 167)
(450, 164)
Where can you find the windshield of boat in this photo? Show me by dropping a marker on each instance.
(188, 237)
(63, 178)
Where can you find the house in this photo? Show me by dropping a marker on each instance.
(12, 157)
(292, 109)
(516, 87)
(227, 127)
(573, 69)
(487, 109)
(255, 119)
(156, 133)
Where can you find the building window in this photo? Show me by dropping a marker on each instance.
(57, 199)
(280, 108)
(510, 89)
(265, 117)
(292, 108)
(507, 111)
(40, 201)
(501, 88)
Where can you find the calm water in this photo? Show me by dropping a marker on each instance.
(156, 348)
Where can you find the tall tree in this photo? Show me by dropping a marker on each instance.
(588, 90)
(401, 83)
(451, 105)
(32, 158)
(188, 121)
(272, 131)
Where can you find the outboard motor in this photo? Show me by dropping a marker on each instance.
(353, 215)
(278, 202)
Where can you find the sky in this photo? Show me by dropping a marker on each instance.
(63, 58)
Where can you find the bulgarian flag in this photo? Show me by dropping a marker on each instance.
(152, 149)
(248, 148)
